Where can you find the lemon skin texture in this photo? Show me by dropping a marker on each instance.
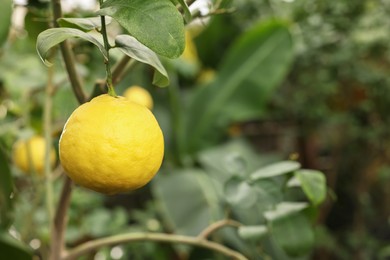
(139, 95)
(29, 155)
(111, 145)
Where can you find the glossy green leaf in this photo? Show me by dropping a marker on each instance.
(239, 193)
(5, 19)
(51, 37)
(136, 50)
(313, 183)
(293, 233)
(155, 23)
(251, 71)
(187, 199)
(275, 169)
(253, 232)
(85, 24)
(13, 249)
(6, 189)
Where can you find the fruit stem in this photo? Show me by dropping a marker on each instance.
(103, 31)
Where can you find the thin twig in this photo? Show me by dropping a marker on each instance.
(68, 57)
(58, 244)
(118, 68)
(217, 225)
(158, 237)
(58, 229)
(47, 126)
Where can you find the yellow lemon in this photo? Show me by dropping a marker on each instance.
(190, 53)
(29, 155)
(111, 145)
(139, 95)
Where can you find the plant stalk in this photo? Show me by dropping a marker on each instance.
(110, 86)
(57, 248)
(218, 225)
(68, 57)
(47, 127)
(157, 237)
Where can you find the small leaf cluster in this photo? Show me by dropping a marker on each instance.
(154, 28)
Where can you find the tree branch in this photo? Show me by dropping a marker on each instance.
(217, 225)
(58, 231)
(158, 237)
(118, 69)
(68, 57)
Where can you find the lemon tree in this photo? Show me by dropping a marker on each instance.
(111, 145)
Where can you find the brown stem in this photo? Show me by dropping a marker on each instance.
(58, 231)
(217, 225)
(68, 57)
(119, 67)
(158, 237)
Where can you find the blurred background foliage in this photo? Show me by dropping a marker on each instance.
(260, 82)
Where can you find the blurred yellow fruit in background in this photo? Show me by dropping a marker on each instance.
(29, 155)
(140, 96)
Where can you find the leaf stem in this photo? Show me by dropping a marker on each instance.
(158, 237)
(110, 86)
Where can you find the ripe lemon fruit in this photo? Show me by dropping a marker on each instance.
(29, 155)
(111, 145)
(139, 95)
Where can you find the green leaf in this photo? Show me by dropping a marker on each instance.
(253, 232)
(275, 169)
(236, 157)
(187, 13)
(187, 199)
(313, 183)
(155, 23)
(5, 19)
(239, 193)
(251, 71)
(85, 24)
(133, 48)
(13, 249)
(293, 234)
(6, 189)
(51, 37)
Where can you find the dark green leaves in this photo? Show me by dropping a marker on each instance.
(13, 249)
(251, 71)
(6, 189)
(293, 233)
(51, 37)
(155, 23)
(188, 200)
(133, 48)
